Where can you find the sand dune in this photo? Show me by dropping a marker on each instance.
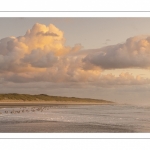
(15, 99)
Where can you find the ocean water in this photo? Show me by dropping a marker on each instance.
(133, 118)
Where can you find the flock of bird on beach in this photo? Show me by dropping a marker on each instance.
(28, 109)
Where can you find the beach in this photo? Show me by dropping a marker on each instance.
(39, 126)
(73, 118)
(42, 103)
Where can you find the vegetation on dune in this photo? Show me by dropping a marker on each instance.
(44, 97)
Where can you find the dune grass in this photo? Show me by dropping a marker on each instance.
(46, 98)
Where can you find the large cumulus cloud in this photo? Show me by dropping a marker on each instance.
(134, 53)
(42, 56)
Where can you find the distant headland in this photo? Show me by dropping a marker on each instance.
(13, 99)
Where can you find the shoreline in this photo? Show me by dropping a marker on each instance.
(34, 103)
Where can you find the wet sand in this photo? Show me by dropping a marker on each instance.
(42, 126)
(39, 126)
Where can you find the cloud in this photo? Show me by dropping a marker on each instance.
(81, 78)
(46, 33)
(124, 78)
(30, 52)
(40, 59)
(134, 53)
(42, 56)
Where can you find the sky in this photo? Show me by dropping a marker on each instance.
(101, 58)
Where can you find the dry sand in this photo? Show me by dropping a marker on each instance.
(43, 103)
